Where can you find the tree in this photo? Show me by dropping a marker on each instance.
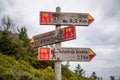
(67, 64)
(112, 78)
(94, 75)
(7, 23)
(7, 46)
(79, 70)
(23, 35)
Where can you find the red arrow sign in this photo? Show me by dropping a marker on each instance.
(91, 54)
(90, 19)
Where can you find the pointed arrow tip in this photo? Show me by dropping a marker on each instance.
(92, 54)
(90, 19)
(32, 42)
(91, 57)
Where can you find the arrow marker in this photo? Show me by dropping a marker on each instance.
(92, 54)
(90, 19)
(32, 42)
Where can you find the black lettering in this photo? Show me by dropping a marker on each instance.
(84, 21)
(71, 20)
(64, 21)
(76, 20)
(80, 20)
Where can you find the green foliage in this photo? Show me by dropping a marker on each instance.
(18, 61)
(11, 69)
(23, 36)
(48, 74)
(22, 33)
(79, 70)
(7, 46)
(67, 74)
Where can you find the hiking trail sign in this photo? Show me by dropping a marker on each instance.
(76, 19)
(65, 54)
(75, 54)
(52, 37)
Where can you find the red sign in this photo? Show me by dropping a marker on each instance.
(45, 17)
(69, 32)
(44, 54)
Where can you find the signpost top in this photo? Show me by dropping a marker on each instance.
(77, 19)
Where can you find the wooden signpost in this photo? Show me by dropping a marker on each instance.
(59, 35)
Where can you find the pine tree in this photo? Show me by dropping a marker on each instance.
(94, 75)
(23, 36)
(79, 70)
(112, 78)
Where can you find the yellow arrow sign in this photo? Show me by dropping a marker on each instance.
(91, 53)
(32, 42)
(90, 19)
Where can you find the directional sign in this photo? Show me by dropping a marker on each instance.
(65, 54)
(77, 19)
(56, 36)
(75, 54)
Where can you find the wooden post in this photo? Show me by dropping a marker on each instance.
(58, 45)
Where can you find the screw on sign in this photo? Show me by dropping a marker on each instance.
(44, 54)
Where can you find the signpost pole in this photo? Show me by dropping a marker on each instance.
(58, 45)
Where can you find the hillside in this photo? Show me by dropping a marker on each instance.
(18, 60)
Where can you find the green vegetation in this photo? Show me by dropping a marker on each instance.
(18, 60)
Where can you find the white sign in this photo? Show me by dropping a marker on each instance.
(56, 36)
(75, 54)
(77, 19)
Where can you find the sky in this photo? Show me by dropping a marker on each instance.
(102, 36)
